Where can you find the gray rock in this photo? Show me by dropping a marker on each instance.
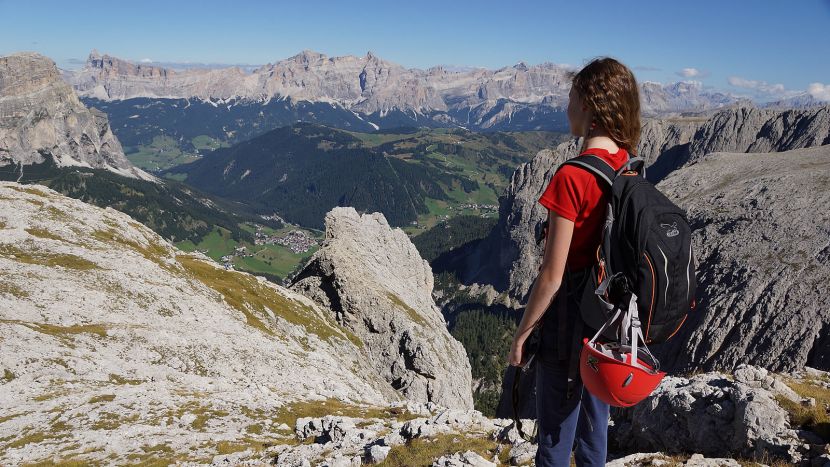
(708, 414)
(41, 115)
(458, 459)
(523, 452)
(698, 460)
(763, 252)
(376, 284)
(378, 453)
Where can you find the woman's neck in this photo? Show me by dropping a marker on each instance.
(601, 142)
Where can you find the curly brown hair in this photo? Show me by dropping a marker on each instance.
(610, 91)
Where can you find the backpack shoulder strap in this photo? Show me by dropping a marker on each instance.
(595, 165)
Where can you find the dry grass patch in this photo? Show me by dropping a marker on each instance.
(245, 293)
(153, 251)
(45, 258)
(8, 288)
(42, 233)
(289, 413)
(64, 333)
(102, 398)
(814, 418)
(413, 315)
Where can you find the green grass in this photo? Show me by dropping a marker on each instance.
(177, 177)
(272, 259)
(164, 152)
(205, 142)
(218, 243)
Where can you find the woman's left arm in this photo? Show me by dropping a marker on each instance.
(546, 286)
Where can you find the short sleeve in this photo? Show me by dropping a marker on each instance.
(564, 193)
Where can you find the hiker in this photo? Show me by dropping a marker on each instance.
(604, 109)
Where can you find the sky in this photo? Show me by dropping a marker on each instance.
(763, 49)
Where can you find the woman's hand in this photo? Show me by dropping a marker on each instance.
(514, 357)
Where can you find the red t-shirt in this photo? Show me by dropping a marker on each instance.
(575, 194)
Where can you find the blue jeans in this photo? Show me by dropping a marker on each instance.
(583, 418)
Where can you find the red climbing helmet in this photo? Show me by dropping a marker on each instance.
(619, 373)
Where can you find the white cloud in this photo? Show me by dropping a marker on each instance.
(689, 72)
(759, 86)
(146, 60)
(692, 73)
(819, 91)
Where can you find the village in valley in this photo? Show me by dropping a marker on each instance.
(298, 241)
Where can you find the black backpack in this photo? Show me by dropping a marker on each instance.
(646, 249)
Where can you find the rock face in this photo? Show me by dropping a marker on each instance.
(104, 326)
(710, 414)
(40, 115)
(762, 245)
(527, 96)
(378, 286)
(675, 143)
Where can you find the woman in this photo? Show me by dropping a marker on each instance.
(604, 109)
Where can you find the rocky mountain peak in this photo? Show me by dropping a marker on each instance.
(41, 116)
(26, 72)
(377, 285)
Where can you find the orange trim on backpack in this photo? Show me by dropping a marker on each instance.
(678, 326)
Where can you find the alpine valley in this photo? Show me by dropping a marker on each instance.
(322, 261)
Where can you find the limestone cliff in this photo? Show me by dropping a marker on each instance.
(378, 286)
(41, 116)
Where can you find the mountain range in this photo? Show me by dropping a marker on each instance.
(381, 93)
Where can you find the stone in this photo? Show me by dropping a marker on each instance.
(678, 417)
(376, 285)
(378, 453)
(458, 459)
(522, 453)
(41, 116)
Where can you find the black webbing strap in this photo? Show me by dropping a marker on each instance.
(573, 361)
(517, 421)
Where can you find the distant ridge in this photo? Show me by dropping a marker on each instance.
(517, 97)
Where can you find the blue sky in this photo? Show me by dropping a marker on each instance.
(764, 48)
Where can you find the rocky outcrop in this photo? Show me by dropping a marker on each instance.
(41, 116)
(377, 286)
(762, 245)
(679, 142)
(528, 96)
(712, 414)
(709, 419)
(112, 342)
